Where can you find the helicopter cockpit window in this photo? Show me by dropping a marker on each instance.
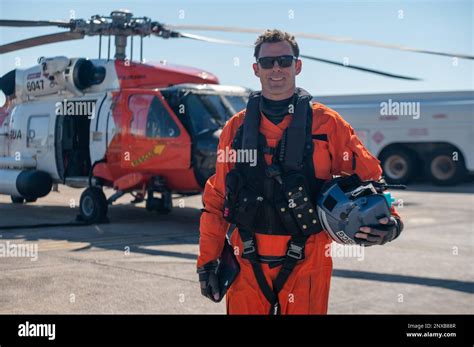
(238, 103)
(215, 101)
(150, 118)
(38, 131)
(203, 118)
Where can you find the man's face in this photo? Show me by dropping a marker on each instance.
(277, 83)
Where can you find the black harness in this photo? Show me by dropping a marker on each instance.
(276, 199)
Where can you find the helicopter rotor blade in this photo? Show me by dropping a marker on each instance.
(323, 38)
(360, 68)
(321, 60)
(212, 39)
(34, 23)
(216, 28)
(40, 40)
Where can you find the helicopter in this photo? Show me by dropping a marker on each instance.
(139, 128)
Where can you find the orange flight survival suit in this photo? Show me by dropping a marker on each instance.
(307, 289)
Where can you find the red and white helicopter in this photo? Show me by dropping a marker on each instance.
(138, 128)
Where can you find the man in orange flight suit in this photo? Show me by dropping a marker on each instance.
(337, 151)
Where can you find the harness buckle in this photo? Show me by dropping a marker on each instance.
(249, 247)
(294, 251)
(274, 171)
(275, 309)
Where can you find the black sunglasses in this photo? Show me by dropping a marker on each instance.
(269, 62)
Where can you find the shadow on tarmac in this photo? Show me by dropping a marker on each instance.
(139, 229)
(461, 286)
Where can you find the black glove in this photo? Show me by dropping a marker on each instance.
(388, 230)
(209, 282)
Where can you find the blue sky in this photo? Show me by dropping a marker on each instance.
(437, 25)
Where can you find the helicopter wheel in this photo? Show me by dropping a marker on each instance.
(93, 205)
(162, 205)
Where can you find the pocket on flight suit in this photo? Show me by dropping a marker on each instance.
(319, 291)
(321, 159)
(310, 286)
(243, 297)
(310, 293)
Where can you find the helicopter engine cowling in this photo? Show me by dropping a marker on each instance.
(52, 76)
(83, 74)
(29, 184)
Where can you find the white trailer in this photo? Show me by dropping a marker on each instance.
(414, 134)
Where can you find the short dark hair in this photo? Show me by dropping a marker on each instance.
(276, 35)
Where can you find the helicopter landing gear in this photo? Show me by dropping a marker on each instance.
(93, 206)
(161, 205)
(17, 199)
(21, 200)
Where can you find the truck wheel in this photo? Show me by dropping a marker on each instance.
(17, 199)
(93, 205)
(399, 165)
(443, 170)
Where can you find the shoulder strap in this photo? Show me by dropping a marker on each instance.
(251, 124)
(295, 140)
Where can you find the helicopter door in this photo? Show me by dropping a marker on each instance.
(154, 139)
(72, 146)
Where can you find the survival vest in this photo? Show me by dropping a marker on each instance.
(276, 199)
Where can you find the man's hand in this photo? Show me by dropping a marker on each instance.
(208, 280)
(388, 230)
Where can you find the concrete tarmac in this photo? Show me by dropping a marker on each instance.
(143, 262)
